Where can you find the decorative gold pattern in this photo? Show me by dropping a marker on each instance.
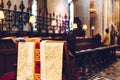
(51, 60)
(25, 68)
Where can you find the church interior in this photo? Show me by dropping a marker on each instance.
(59, 39)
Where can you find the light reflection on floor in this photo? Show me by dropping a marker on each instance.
(112, 72)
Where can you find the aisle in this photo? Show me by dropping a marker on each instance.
(112, 72)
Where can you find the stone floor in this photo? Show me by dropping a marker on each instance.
(112, 72)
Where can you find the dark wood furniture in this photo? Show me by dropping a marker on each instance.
(88, 62)
(87, 56)
(8, 55)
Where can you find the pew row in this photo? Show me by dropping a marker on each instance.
(83, 62)
(91, 61)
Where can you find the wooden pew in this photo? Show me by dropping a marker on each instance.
(86, 57)
(91, 61)
(8, 55)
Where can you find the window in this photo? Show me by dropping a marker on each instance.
(34, 13)
(71, 13)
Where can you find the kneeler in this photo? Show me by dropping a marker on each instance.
(28, 66)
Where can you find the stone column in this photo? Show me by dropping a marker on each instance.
(81, 10)
(58, 6)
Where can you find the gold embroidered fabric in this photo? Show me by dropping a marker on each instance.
(40, 64)
(51, 60)
(25, 65)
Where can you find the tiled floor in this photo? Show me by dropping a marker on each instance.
(112, 72)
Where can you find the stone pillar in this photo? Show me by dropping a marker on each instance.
(81, 10)
(117, 14)
(58, 6)
(42, 6)
(98, 16)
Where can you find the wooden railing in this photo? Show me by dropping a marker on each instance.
(91, 61)
(16, 20)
